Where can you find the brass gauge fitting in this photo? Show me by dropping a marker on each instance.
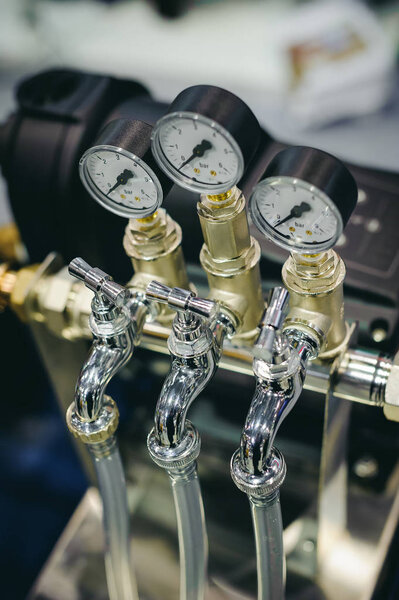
(315, 284)
(14, 287)
(230, 258)
(154, 246)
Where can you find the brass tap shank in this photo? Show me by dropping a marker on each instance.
(230, 258)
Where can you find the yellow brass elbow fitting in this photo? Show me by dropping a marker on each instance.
(315, 283)
(154, 246)
(230, 258)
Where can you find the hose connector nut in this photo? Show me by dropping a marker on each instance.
(177, 457)
(97, 431)
(259, 487)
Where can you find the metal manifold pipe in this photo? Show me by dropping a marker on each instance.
(362, 375)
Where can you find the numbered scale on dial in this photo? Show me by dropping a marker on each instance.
(120, 173)
(206, 139)
(304, 200)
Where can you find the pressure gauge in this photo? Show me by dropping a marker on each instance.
(206, 139)
(120, 173)
(304, 200)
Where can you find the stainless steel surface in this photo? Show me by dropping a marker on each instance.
(368, 371)
(333, 493)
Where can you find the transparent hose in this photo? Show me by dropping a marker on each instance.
(119, 570)
(193, 542)
(268, 528)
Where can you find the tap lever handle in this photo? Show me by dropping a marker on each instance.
(158, 292)
(271, 322)
(98, 281)
(277, 308)
(78, 268)
(180, 299)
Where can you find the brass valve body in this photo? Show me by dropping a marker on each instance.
(230, 258)
(154, 246)
(14, 287)
(315, 284)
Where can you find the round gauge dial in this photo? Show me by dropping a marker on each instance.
(295, 215)
(206, 139)
(120, 181)
(197, 153)
(304, 201)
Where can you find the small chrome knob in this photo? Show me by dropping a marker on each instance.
(181, 300)
(271, 322)
(98, 281)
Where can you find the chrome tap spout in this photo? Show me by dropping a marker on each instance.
(185, 381)
(195, 346)
(116, 321)
(271, 403)
(106, 357)
(280, 368)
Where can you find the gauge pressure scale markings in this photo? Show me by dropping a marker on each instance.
(304, 200)
(206, 139)
(120, 172)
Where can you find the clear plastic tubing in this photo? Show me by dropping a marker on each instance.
(193, 542)
(268, 529)
(111, 480)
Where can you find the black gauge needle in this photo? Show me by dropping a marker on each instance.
(296, 212)
(121, 180)
(198, 151)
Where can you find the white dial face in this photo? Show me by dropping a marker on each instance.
(295, 214)
(120, 181)
(197, 153)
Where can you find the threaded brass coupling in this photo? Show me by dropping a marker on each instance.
(98, 431)
(315, 284)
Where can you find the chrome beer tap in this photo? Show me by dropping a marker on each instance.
(195, 345)
(116, 321)
(257, 467)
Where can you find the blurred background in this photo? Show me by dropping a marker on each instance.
(319, 73)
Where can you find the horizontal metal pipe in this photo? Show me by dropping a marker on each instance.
(360, 377)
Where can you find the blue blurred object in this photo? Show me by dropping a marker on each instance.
(40, 484)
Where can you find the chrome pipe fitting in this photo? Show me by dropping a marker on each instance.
(116, 321)
(262, 485)
(279, 365)
(195, 347)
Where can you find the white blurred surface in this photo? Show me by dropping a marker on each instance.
(232, 44)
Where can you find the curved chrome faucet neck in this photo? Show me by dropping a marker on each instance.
(185, 381)
(278, 387)
(113, 344)
(194, 344)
